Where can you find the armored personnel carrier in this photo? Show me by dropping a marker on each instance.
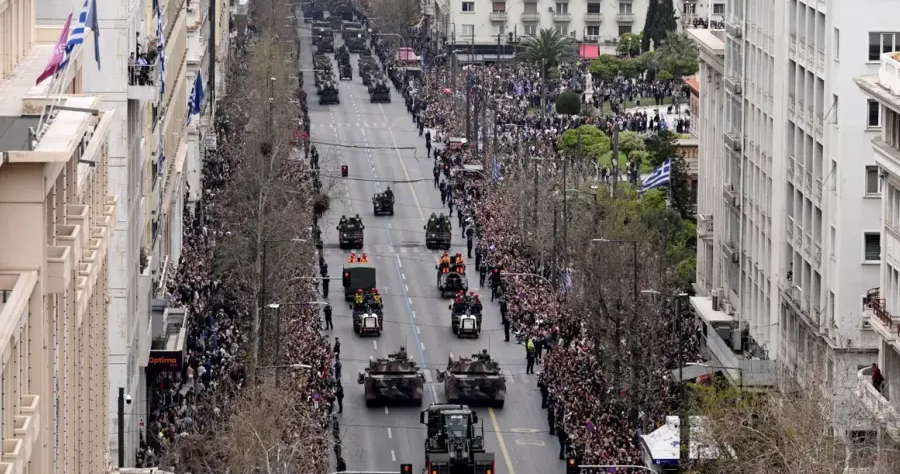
(475, 379)
(319, 30)
(367, 67)
(380, 92)
(328, 93)
(455, 442)
(394, 379)
(325, 44)
(345, 72)
(354, 38)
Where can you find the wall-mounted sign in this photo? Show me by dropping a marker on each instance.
(165, 361)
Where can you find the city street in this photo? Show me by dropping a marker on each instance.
(415, 315)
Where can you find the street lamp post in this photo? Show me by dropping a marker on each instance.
(277, 308)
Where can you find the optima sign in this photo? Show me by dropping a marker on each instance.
(165, 361)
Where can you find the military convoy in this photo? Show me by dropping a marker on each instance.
(380, 91)
(367, 66)
(438, 232)
(383, 203)
(451, 276)
(355, 38)
(350, 232)
(325, 44)
(455, 441)
(326, 88)
(394, 379)
(358, 276)
(475, 379)
(465, 316)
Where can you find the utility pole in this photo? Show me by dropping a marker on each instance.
(211, 93)
(484, 127)
(453, 58)
(468, 107)
(121, 423)
(499, 35)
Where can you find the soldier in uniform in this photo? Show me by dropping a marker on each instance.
(483, 356)
(401, 354)
(432, 221)
(389, 193)
(342, 222)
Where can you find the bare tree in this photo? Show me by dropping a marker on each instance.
(395, 18)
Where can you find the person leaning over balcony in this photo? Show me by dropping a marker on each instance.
(877, 378)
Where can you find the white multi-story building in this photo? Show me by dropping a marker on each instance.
(883, 305)
(149, 163)
(796, 229)
(480, 25)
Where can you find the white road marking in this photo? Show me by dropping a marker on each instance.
(399, 263)
(407, 288)
(386, 410)
(527, 442)
(375, 343)
(422, 345)
(418, 330)
(403, 275)
(390, 435)
(394, 456)
(389, 225)
(414, 314)
(428, 376)
(409, 299)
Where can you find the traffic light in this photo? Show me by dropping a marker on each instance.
(572, 466)
(344, 171)
(495, 275)
(346, 279)
(509, 37)
(406, 469)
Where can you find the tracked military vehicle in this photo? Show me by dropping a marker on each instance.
(355, 39)
(455, 442)
(380, 92)
(394, 379)
(328, 93)
(474, 379)
(325, 44)
(319, 30)
(368, 67)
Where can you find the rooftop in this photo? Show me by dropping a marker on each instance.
(708, 39)
(21, 83)
(884, 86)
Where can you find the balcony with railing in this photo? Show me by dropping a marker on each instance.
(499, 16)
(531, 17)
(883, 322)
(878, 402)
(562, 17)
(593, 18)
(625, 18)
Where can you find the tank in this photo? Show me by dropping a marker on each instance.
(475, 379)
(392, 379)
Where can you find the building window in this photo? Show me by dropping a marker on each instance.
(623, 29)
(499, 30)
(836, 47)
(873, 114)
(498, 7)
(880, 43)
(689, 8)
(530, 28)
(872, 247)
(592, 30)
(530, 8)
(563, 30)
(718, 8)
(834, 107)
(593, 8)
(624, 8)
(562, 8)
(873, 181)
(468, 30)
(468, 7)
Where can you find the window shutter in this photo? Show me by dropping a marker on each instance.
(873, 247)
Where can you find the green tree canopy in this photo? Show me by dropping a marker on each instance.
(594, 143)
(630, 141)
(680, 55)
(606, 67)
(629, 45)
(568, 103)
(663, 145)
(659, 22)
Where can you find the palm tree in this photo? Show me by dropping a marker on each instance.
(547, 49)
(680, 51)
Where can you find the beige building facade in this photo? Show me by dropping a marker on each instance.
(56, 218)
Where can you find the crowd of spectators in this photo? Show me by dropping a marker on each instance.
(196, 399)
(586, 414)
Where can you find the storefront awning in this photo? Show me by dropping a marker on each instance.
(590, 51)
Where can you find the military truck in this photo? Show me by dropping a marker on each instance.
(350, 233)
(357, 276)
(355, 39)
(474, 379)
(383, 203)
(394, 379)
(380, 93)
(325, 44)
(319, 30)
(455, 441)
(438, 232)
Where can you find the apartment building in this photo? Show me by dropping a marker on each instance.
(479, 26)
(148, 154)
(56, 221)
(796, 245)
(883, 303)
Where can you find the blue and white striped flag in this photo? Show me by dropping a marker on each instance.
(76, 36)
(659, 178)
(161, 45)
(495, 170)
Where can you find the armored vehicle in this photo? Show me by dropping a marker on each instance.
(367, 66)
(455, 442)
(342, 55)
(328, 94)
(367, 323)
(346, 72)
(355, 39)
(475, 379)
(438, 232)
(380, 92)
(325, 44)
(357, 276)
(313, 13)
(319, 30)
(395, 378)
(350, 232)
(451, 277)
(383, 203)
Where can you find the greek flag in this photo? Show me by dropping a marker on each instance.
(565, 282)
(659, 177)
(161, 45)
(195, 102)
(86, 19)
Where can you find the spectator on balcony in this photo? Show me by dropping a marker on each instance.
(877, 378)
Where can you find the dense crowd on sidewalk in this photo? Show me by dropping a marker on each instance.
(194, 400)
(582, 410)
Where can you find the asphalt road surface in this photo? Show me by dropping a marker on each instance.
(415, 314)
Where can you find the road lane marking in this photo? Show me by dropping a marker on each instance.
(414, 314)
(390, 435)
(525, 430)
(503, 450)
(386, 410)
(428, 376)
(412, 189)
(407, 288)
(418, 330)
(375, 343)
(408, 299)
(393, 456)
(529, 442)
(403, 275)
(422, 344)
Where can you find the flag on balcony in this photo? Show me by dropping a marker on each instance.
(658, 178)
(58, 55)
(86, 19)
(161, 46)
(195, 101)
